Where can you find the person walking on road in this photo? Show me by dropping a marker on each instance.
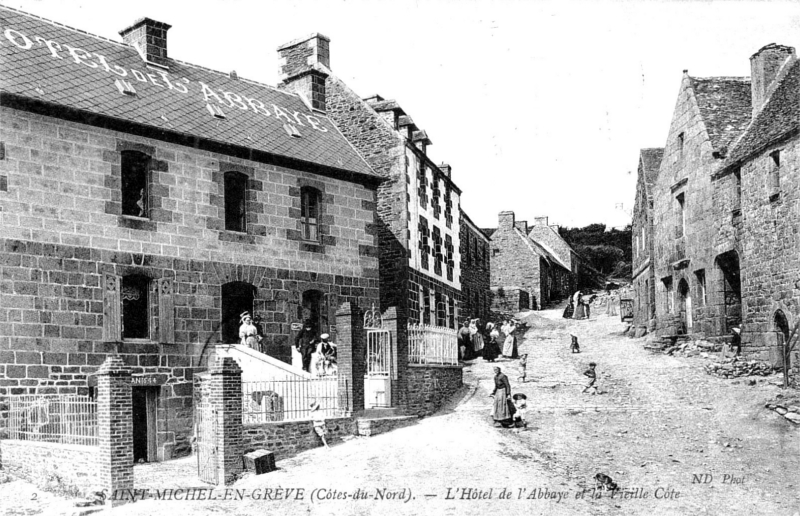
(502, 412)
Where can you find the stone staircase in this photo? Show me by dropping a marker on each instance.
(258, 366)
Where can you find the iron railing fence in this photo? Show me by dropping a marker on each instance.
(289, 400)
(428, 344)
(61, 419)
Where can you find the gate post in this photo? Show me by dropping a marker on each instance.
(114, 430)
(350, 356)
(225, 391)
(398, 331)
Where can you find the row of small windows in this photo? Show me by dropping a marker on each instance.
(436, 308)
(422, 194)
(135, 193)
(442, 250)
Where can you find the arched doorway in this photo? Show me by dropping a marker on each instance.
(781, 328)
(237, 297)
(685, 306)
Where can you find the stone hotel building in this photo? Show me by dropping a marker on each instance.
(146, 202)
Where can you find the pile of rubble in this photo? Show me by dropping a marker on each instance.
(692, 348)
(786, 406)
(735, 368)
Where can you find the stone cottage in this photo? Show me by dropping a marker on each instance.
(475, 270)
(758, 189)
(644, 307)
(418, 225)
(525, 273)
(145, 203)
(696, 267)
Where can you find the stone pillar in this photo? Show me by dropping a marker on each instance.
(114, 429)
(398, 329)
(351, 356)
(225, 393)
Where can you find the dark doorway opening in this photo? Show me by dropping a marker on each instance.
(728, 264)
(685, 306)
(781, 325)
(144, 401)
(237, 297)
(314, 310)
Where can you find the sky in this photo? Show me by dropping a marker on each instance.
(540, 107)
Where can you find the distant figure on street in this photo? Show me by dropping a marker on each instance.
(306, 344)
(592, 375)
(476, 337)
(463, 340)
(736, 343)
(510, 344)
(569, 309)
(502, 412)
(578, 312)
(574, 344)
(523, 365)
(491, 349)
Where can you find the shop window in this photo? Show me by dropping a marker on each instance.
(235, 201)
(309, 212)
(134, 183)
(237, 298)
(135, 307)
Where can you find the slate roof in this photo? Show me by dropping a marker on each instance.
(651, 162)
(726, 108)
(488, 231)
(84, 82)
(780, 116)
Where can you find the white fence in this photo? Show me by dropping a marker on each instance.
(62, 419)
(429, 344)
(289, 400)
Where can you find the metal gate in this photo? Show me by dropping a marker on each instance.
(381, 369)
(205, 425)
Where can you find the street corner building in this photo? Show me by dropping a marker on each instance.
(531, 266)
(146, 203)
(724, 219)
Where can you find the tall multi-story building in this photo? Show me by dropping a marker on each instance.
(146, 203)
(418, 202)
(475, 270)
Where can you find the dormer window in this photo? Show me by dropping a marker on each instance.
(125, 87)
(216, 111)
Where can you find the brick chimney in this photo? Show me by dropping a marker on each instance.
(389, 110)
(540, 221)
(765, 65)
(303, 64)
(506, 221)
(447, 170)
(149, 38)
(522, 225)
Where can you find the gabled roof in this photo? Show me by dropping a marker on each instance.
(488, 231)
(551, 255)
(726, 108)
(651, 162)
(179, 101)
(779, 117)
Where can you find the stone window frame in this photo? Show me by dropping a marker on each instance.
(702, 288)
(774, 177)
(235, 184)
(253, 208)
(426, 306)
(161, 308)
(448, 206)
(435, 195)
(668, 288)
(450, 253)
(156, 190)
(737, 190)
(422, 190)
(135, 163)
(307, 195)
(325, 218)
(681, 144)
(680, 223)
(424, 242)
(438, 256)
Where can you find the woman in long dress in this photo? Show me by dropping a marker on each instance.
(502, 399)
(509, 345)
(248, 332)
(476, 336)
(579, 310)
(491, 350)
(569, 309)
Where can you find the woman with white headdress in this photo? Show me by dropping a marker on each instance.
(248, 332)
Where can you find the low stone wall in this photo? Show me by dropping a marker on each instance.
(287, 439)
(65, 468)
(430, 386)
(372, 427)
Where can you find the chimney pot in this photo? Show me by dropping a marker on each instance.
(765, 65)
(303, 64)
(149, 38)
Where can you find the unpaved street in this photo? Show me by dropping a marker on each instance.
(660, 421)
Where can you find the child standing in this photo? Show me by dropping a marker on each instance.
(574, 345)
(523, 365)
(592, 375)
(319, 422)
(520, 403)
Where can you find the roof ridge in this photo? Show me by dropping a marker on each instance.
(124, 45)
(744, 78)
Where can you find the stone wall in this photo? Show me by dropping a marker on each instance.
(476, 294)
(510, 299)
(771, 262)
(66, 467)
(430, 387)
(642, 249)
(290, 438)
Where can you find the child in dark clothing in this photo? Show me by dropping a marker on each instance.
(574, 346)
(523, 364)
(592, 375)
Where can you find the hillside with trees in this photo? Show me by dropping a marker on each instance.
(609, 252)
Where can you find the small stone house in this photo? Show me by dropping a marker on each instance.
(644, 287)
(525, 274)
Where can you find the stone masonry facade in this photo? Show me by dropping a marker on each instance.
(475, 271)
(64, 241)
